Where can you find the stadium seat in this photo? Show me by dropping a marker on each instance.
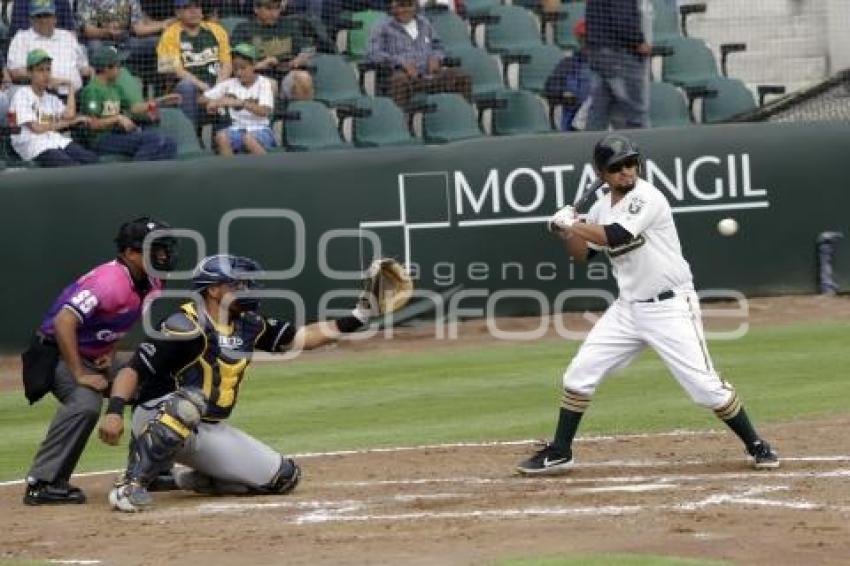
(523, 113)
(564, 37)
(334, 80)
(451, 119)
(731, 99)
(451, 30)
(667, 106)
(483, 68)
(386, 125)
(665, 22)
(309, 126)
(358, 39)
(173, 123)
(543, 60)
(480, 7)
(691, 63)
(229, 24)
(515, 32)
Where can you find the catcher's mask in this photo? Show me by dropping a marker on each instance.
(233, 270)
(614, 149)
(163, 249)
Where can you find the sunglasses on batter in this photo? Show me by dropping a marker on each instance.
(628, 162)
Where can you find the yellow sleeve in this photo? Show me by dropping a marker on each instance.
(223, 41)
(168, 50)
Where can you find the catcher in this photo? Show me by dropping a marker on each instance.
(184, 384)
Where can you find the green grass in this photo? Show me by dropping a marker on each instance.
(472, 393)
(609, 560)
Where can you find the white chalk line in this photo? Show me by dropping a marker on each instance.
(581, 439)
(708, 476)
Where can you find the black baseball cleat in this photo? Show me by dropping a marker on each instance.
(56, 493)
(764, 457)
(163, 482)
(548, 461)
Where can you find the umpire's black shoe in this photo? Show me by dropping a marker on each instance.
(548, 461)
(56, 493)
(764, 457)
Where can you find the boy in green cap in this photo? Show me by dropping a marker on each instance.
(41, 116)
(249, 100)
(111, 131)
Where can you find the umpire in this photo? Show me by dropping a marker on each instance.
(72, 354)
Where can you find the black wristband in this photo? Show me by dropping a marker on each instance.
(349, 324)
(115, 406)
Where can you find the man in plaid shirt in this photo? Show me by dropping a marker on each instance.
(407, 44)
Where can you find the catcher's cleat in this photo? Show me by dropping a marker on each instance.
(165, 481)
(548, 461)
(764, 457)
(56, 493)
(129, 498)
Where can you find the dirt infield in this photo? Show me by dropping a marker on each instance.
(682, 494)
(679, 494)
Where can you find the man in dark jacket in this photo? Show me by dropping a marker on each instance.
(618, 50)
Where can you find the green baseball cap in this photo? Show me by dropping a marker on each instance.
(103, 57)
(245, 50)
(39, 7)
(37, 56)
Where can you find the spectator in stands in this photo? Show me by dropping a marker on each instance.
(196, 52)
(619, 56)
(110, 130)
(407, 44)
(249, 101)
(284, 45)
(69, 58)
(572, 78)
(123, 24)
(41, 116)
(21, 15)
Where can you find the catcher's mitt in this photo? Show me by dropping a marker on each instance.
(387, 287)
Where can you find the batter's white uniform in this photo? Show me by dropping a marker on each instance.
(649, 266)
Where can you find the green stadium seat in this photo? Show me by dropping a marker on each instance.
(385, 126)
(564, 37)
(453, 119)
(480, 7)
(665, 22)
(691, 63)
(229, 24)
(730, 98)
(358, 39)
(309, 126)
(173, 123)
(334, 80)
(515, 32)
(667, 106)
(543, 60)
(483, 69)
(451, 30)
(524, 113)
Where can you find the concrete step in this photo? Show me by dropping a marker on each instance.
(764, 67)
(743, 8)
(728, 29)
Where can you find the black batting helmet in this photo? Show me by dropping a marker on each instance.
(132, 235)
(613, 149)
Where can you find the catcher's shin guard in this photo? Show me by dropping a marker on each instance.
(154, 448)
(287, 477)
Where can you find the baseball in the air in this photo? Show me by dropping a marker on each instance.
(727, 226)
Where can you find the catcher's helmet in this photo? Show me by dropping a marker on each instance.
(612, 149)
(163, 249)
(231, 269)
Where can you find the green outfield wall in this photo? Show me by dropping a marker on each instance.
(467, 217)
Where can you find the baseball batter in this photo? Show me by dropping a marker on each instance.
(188, 383)
(656, 307)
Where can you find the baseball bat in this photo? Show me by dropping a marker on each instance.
(586, 198)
